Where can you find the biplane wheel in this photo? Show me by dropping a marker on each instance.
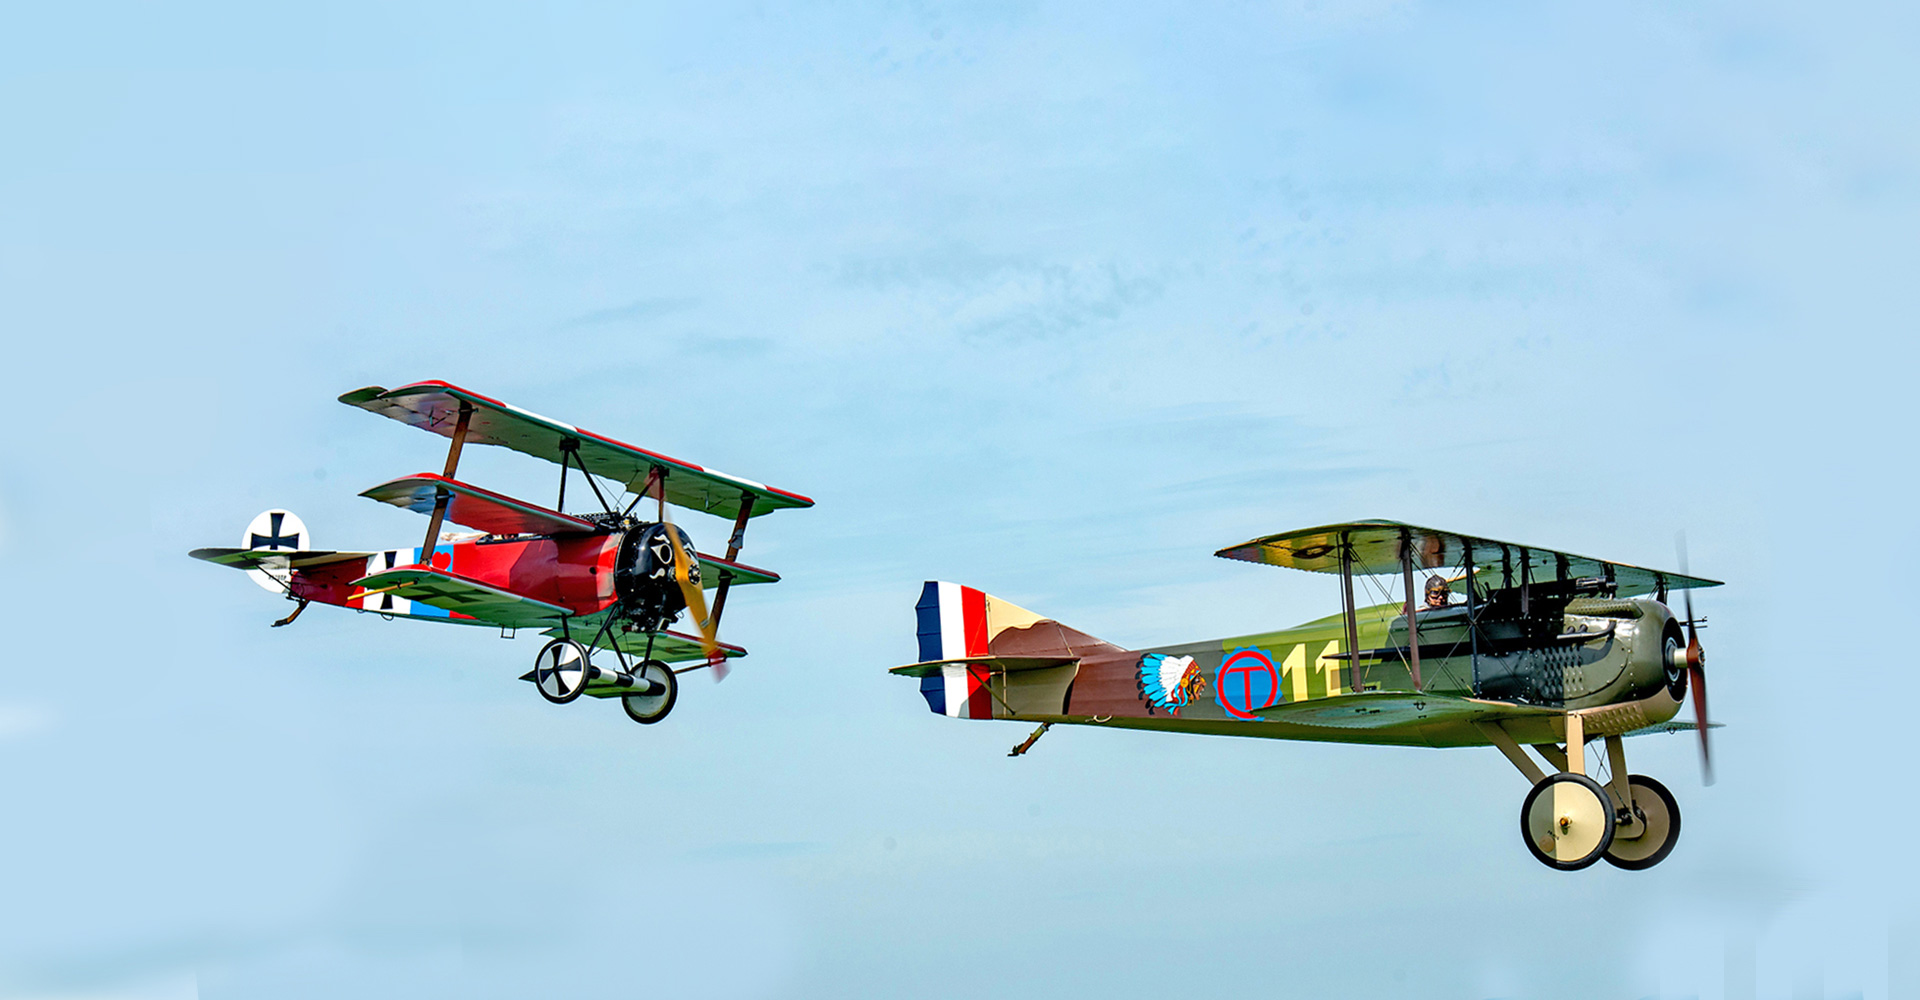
(561, 671)
(648, 709)
(1661, 814)
(1567, 821)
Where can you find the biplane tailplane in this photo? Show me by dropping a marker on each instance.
(966, 635)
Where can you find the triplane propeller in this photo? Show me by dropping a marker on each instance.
(1501, 645)
(605, 580)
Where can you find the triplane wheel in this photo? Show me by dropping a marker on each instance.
(659, 689)
(1659, 815)
(1567, 821)
(561, 671)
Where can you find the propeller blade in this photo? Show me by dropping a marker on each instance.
(695, 598)
(1696, 667)
(1698, 679)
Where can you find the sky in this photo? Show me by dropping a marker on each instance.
(1050, 299)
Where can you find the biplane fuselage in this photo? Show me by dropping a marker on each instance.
(1547, 649)
(1292, 683)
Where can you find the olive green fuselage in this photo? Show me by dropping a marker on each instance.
(1607, 658)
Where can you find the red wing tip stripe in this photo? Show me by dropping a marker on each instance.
(804, 501)
(677, 463)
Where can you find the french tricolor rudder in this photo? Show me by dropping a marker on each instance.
(952, 625)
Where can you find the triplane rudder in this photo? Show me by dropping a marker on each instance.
(604, 579)
(1441, 640)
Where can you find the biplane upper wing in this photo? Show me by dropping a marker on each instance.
(494, 513)
(668, 647)
(1376, 548)
(435, 406)
(448, 592)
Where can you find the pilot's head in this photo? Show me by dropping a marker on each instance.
(1439, 594)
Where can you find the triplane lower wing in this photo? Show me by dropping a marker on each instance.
(1443, 639)
(602, 579)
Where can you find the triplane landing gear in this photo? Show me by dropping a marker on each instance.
(653, 695)
(1569, 820)
(564, 671)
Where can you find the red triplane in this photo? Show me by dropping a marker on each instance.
(604, 580)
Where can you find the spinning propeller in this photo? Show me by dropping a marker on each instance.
(1696, 663)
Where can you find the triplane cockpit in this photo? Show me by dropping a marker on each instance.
(601, 580)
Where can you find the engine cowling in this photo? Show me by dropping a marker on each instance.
(643, 575)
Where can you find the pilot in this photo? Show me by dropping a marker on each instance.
(1439, 593)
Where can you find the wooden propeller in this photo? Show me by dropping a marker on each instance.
(1696, 669)
(691, 592)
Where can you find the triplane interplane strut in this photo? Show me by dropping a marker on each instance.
(1502, 645)
(601, 580)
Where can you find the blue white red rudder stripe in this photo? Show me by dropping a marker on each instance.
(953, 624)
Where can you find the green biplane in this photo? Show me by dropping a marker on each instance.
(1485, 643)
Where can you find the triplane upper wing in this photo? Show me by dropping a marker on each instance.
(436, 406)
(1373, 546)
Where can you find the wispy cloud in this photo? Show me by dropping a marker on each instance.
(638, 309)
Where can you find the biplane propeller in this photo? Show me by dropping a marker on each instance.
(603, 580)
(1503, 645)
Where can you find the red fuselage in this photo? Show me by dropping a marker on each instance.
(574, 572)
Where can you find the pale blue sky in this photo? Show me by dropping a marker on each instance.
(1050, 299)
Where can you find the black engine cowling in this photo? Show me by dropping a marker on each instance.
(643, 575)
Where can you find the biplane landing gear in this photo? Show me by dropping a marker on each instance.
(1657, 816)
(1567, 821)
(658, 687)
(561, 671)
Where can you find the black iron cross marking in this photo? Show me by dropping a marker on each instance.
(276, 539)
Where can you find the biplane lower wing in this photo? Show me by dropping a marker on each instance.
(667, 647)
(1393, 709)
(448, 592)
(436, 406)
(494, 513)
